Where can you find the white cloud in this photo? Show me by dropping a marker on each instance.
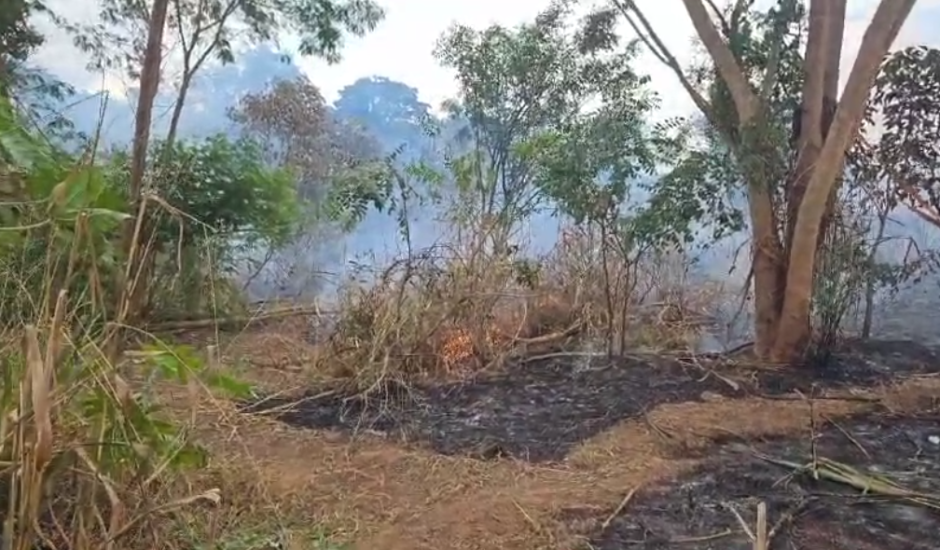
(402, 47)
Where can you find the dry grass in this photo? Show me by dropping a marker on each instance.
(267, 483)
(380, 495)
(459, 310)
(450, 313)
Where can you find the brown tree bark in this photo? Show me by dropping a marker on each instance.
(203, 23)
(782, 301)
(810, 140)
(131, 286)
(784, 267)
(819, 97)
(794, 329)
(766, 248)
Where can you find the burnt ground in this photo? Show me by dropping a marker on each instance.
(860, 363)
(540, 410)
(694, 512)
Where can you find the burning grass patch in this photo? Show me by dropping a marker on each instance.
(451, 312)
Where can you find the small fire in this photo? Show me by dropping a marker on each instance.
(459, 345)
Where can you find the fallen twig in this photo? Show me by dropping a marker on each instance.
(867, 483)
(242, 321)
(848, 436)
(760, 536)
(623, 504)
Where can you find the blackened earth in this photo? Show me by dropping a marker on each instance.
(539, 410)
(695, 513)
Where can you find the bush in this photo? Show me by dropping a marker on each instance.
(87, 456)
(216, 204)
(451, 311)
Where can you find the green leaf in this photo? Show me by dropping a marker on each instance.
(228, 384)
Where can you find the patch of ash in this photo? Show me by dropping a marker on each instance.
(534, 412)
(857, 363)
(381, 412)
(695, 513)
(539, 410)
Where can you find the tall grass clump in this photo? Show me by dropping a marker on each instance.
(87, 459)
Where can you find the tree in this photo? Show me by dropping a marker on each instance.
(207, 29)
(32, 89)
(784, 254)
(531, 133)
(895, 161)
(132, 281)
(297, 130)
(389, 110)
(18, 38)
(906, 95)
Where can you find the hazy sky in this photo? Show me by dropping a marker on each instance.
(401, 48)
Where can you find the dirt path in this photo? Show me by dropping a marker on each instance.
(387, 496)
(412, 484)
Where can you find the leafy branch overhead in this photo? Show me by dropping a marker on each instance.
(558, 118)
(214, 28)
(203, 30)
(908, 145)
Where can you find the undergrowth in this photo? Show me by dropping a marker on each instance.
(90, 458)
(460, 309)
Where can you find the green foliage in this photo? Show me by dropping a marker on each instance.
(687, 195)
(554, 117)
(58, 224)
(521, 92)
(213, 29)
(351, 196)
(106, 436)
(767, 46)
(93, 435)
(216, 195)
(905, 94)
(219, 186)
(761, 40)
(18, 37)
(212, 205)
(393, 186)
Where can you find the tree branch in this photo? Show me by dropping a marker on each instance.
(725, 27)
(652, 41)
(745, 101)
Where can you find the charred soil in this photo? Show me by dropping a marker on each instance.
(689, 438)
(700, 510)
(538, 411)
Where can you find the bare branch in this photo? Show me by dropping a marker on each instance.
(652, 41)
(725, 27)
(745, 101)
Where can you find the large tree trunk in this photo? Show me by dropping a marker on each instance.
(784, 268)
(766, 249)
(818, 103)
(130, 291)
(793, 329)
